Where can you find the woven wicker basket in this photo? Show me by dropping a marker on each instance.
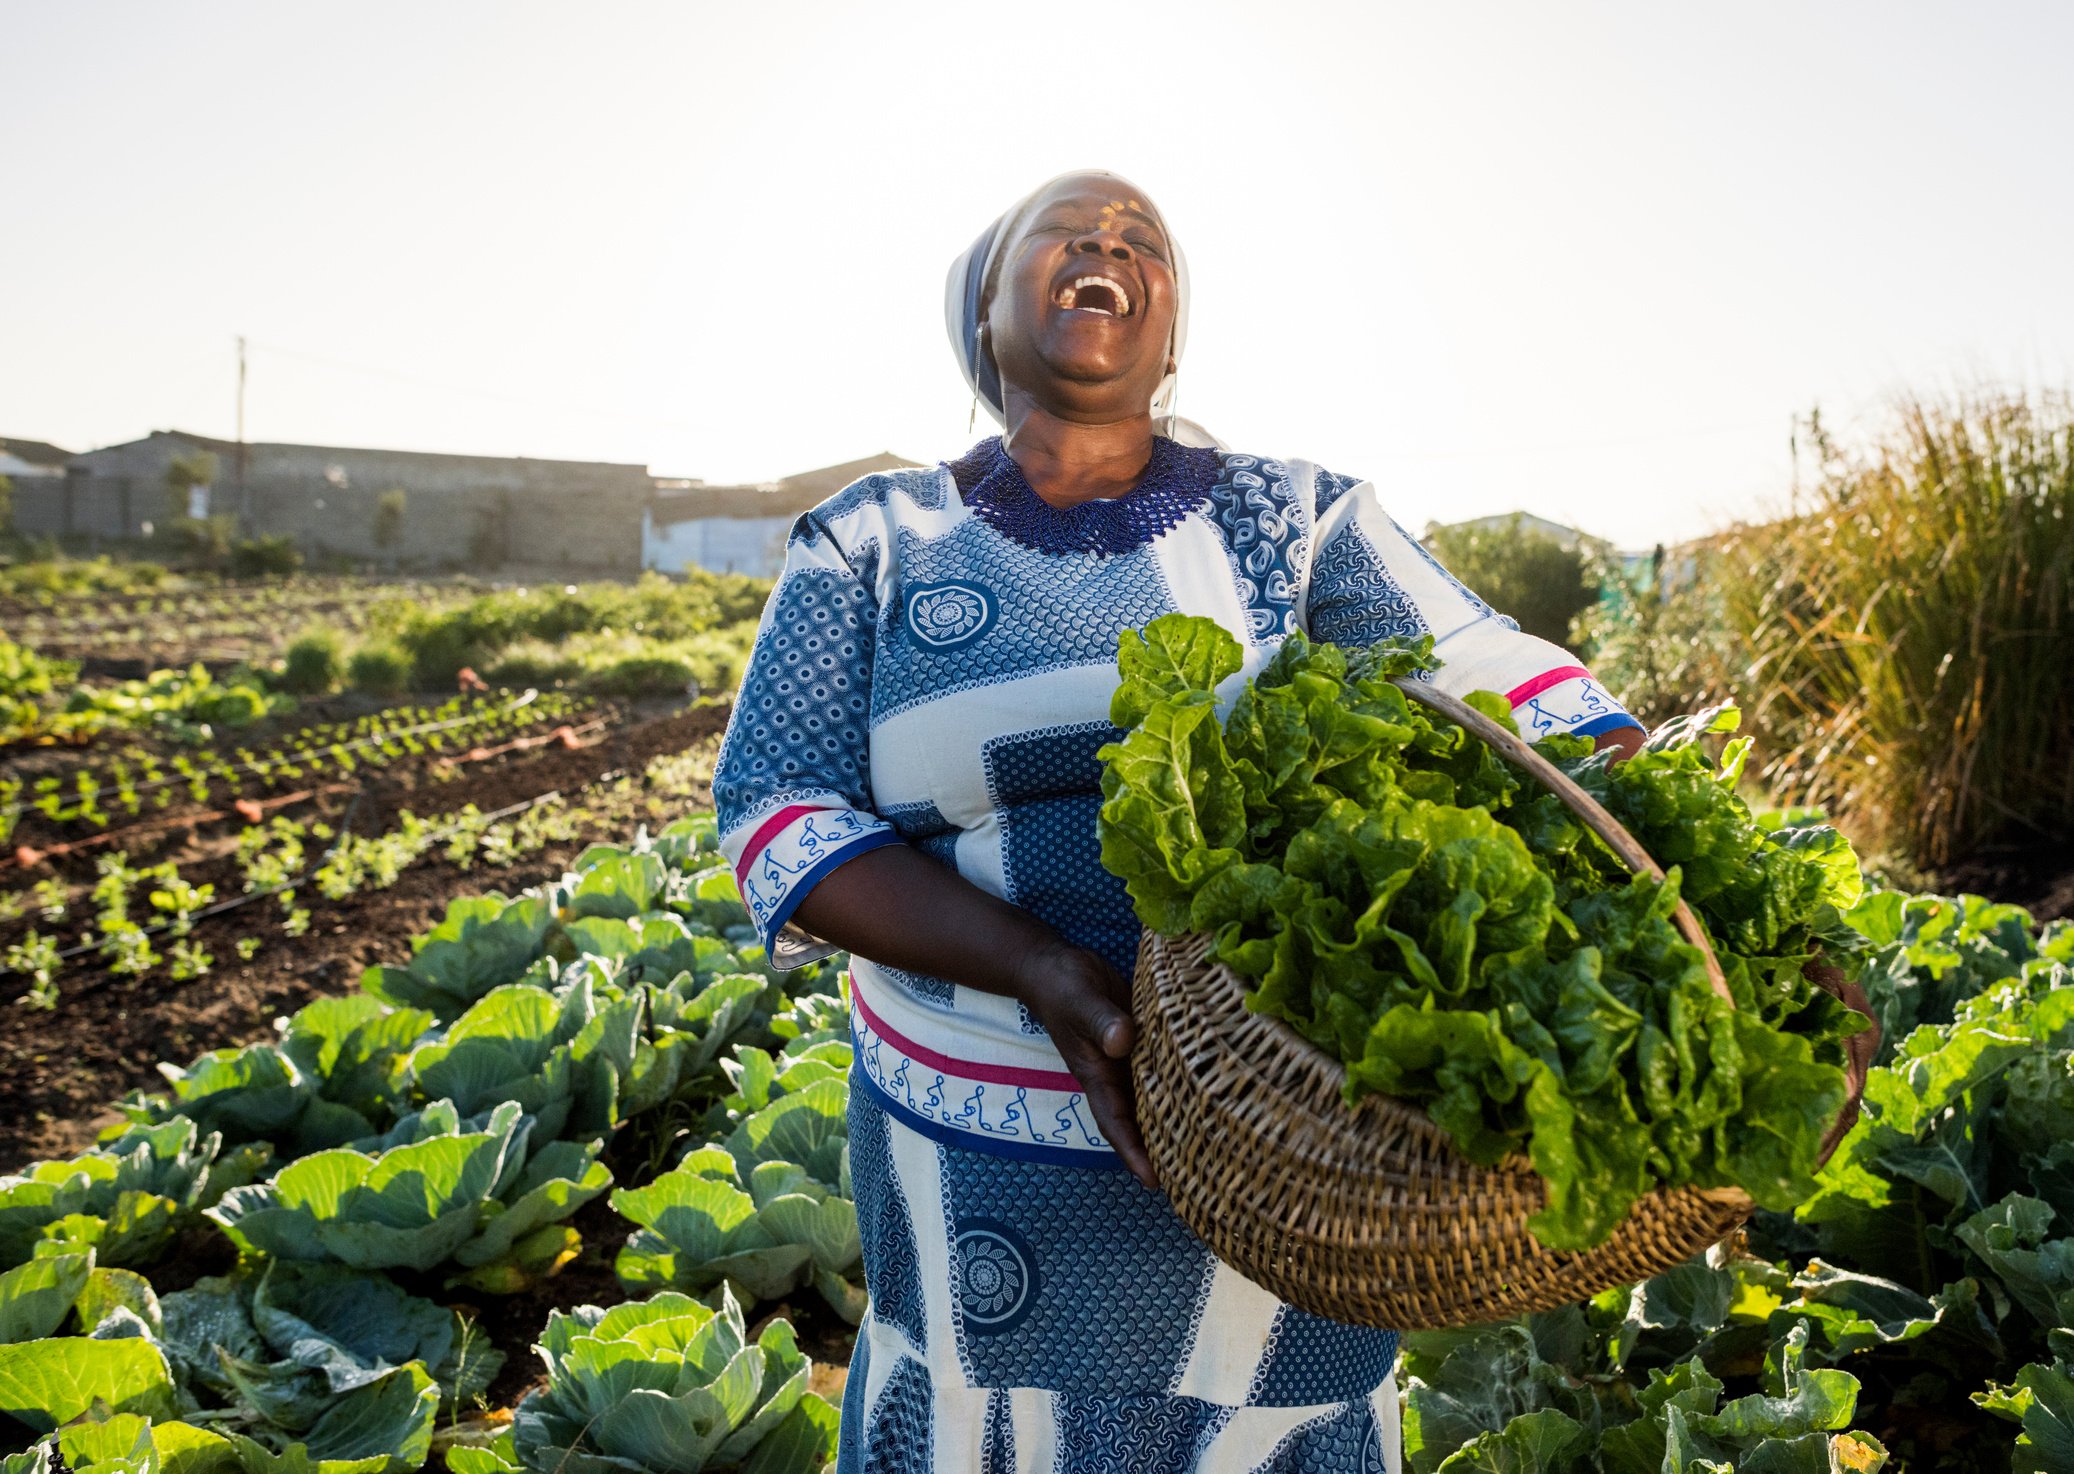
(1368, 1216)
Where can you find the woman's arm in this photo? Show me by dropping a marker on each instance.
(898, 907)
(820, 870)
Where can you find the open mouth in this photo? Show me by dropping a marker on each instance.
(1094, 294)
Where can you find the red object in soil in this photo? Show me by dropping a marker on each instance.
(26, 857)
(249, 810)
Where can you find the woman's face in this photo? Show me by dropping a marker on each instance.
(1083, 306)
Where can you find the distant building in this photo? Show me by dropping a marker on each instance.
(31, 460)
(1568, 537)
(739, 529)
(460, 511)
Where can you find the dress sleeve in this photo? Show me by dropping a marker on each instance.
(1370, 579)
(792, 788)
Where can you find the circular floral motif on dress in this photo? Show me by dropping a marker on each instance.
(997, 1283)
(946, 614)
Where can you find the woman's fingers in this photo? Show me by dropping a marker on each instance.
(1091, 1024)
(1108, 1085)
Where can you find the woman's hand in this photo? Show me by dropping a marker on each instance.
(1625, 742)
(896, 906)
(1085, 1005)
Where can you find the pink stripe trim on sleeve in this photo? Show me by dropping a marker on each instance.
(965, 1068)
(1527, 690)
(770, 829)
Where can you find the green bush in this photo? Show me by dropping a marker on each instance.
(532, 663)
(1658, 636)
(314, 662)
(575, 633)
(274, 556)
(643, 675)
(380, 668)
(207, 540)
(1520, 572)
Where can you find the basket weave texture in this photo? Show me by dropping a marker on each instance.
(1367, 1216)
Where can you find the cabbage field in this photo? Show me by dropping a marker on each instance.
(567, 1189)
(292, 1256)
(364, 1115)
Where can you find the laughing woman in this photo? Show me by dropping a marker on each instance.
(910, 774)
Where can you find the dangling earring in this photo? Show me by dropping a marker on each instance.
(1173, 398)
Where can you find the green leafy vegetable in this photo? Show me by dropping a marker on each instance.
(1412, 905)
(670, 1384)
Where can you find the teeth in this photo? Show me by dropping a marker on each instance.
(1069, 296)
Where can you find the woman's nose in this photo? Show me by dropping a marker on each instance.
(1104, 243)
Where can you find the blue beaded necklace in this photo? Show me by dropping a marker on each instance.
(1175, 483)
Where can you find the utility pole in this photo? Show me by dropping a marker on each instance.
(244, 497)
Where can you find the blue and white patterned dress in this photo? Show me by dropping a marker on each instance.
(934, 668)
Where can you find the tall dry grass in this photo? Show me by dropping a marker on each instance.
(1904, 641)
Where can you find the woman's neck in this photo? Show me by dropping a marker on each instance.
(1067, 463)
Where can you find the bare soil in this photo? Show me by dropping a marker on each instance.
(61, 1071)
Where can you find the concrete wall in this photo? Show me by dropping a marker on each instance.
(459, 511)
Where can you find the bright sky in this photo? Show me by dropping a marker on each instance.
(1583, 259)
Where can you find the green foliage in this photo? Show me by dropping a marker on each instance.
(288, 1340)
(380, 668)
(273, 555)
(444, 1123)
(46, 1383)
(1658, 634)
(767, 1213)
(126, 1198)
(1560, 1394)
(651, 637)
(1520, 571)
(121, 1442)
(1408, 903)
(438, 1189)
(314, 662)
(1950, 1204)
(42, 699)
(670, 1384)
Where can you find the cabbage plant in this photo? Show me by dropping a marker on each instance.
(127, 1198)
(765, 1220)
(441, 1189)
(484, 942)
(559, 1056)
(673, 1386)
(282, 1345)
